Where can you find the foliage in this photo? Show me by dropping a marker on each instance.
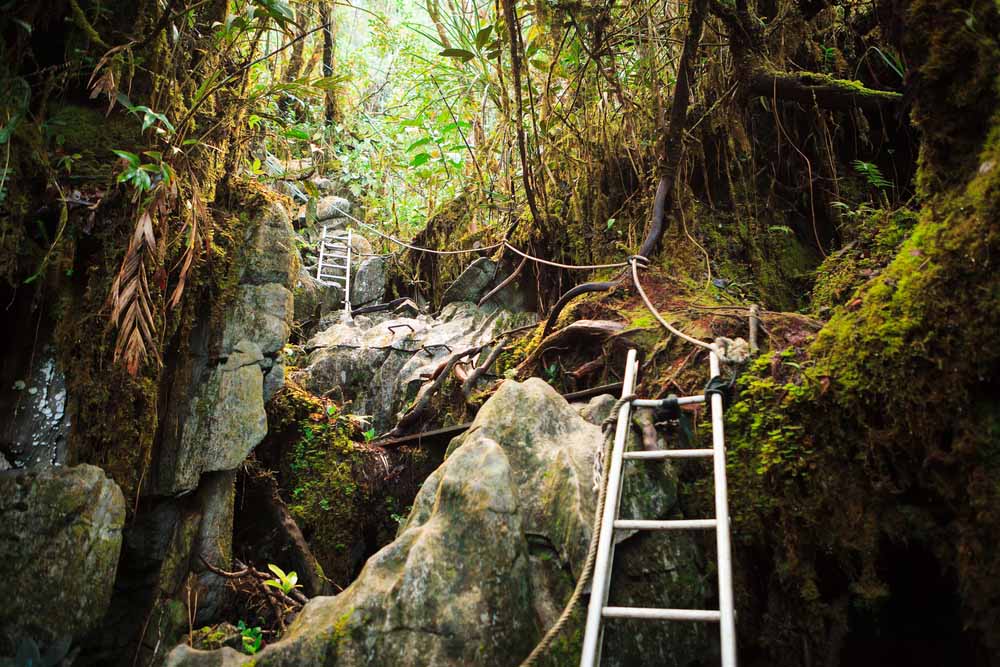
(250, 638)
(285, 583)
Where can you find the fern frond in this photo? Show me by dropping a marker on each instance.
(872, 174)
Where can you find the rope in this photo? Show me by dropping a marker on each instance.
(418, 248)
(585, 267)
(634, 261)
(608, 427)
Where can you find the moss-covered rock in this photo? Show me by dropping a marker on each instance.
(60, 536)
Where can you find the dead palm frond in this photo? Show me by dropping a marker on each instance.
(130, 300)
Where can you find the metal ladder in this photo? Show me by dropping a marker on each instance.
(597, 609)
(334, 267)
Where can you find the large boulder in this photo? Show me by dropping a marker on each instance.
(261, 314)
(60, 537)
(226, 420)
(380, 366)
(452, 589)
(330, 207)
(368, 284)
(488, 556)
(472, 283)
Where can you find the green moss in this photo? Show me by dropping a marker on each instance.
(873, 237)
(831, 442)
(318, 467)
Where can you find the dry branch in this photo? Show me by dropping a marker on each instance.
(581, 329)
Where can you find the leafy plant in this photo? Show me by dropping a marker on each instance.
(370, 434)
(250, 638)
(142, 174)
(551, 373)
(286, 583)
(872, 174)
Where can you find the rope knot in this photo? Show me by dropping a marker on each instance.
(732, 351)
(639, 260)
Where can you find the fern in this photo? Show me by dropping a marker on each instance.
(872, 174)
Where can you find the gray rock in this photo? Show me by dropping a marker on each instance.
(330, 207)
(380, 364)
(368, 284)
(274, 379)
(226, 419)
(452, 589)
(261, 314)
(36, 422)
(325, 186)
(270, 253)
(473, 283)
(60, 538)
(214, 543)
(313, 300)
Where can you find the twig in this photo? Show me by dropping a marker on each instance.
(507, 281)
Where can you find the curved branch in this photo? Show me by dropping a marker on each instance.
(672, 144)
(826, 91)
(564, 300)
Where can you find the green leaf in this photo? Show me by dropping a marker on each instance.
(418, 143)
(297, 133)
(420, 159)
(462, 54)
(277, 570)
(483, 36)
(131, 158)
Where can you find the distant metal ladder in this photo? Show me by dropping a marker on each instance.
(597, 609)
(334, 267)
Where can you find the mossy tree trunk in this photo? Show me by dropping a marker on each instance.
(887, 429)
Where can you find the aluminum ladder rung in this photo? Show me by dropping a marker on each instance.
(657, 402)
(328, 277)
(657, 614)
(670, 454)
(674, 524)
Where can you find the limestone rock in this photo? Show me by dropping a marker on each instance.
(226, 418)
(472, 283)
(330, 207)
(271, 256)
(368, 284)
(214, 543)
(261, 314)
(452, 590)
(60, 537)
(380, 364)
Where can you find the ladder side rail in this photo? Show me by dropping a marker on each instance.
(727, 620)
(347, 278)
(319, 264)
(601, 581)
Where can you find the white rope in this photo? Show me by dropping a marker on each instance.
(634, 261)
(586, 267)
(418, 248)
